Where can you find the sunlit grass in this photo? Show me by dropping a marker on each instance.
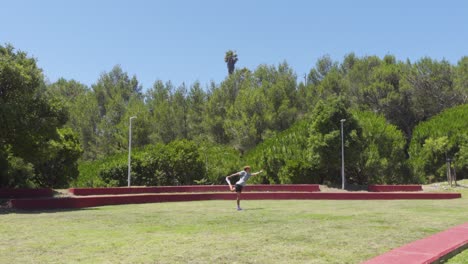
(461, 258)
(214, 232)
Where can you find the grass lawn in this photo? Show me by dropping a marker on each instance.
(461, 258)
(310, 231)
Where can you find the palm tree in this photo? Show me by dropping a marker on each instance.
(230, 58)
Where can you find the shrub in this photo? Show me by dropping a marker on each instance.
(177, 163)
(441, 137)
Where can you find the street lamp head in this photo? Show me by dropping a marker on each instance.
(133, 117)
(342, 120)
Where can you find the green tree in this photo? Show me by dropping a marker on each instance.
(246, 119)
(382, 159)
(113, 92)
(359, 74)
(437, 139)
(30, 121)
(185, 164)
(180, 108)
(279, 87)
(460, 159)
(461, 79)
(220, 99)
(84, 119)
(67, 91)
(196, 100)
(432, 88)
(83, 114)
(141, 126)
(264, 103)
(322, 81)
(322, 67)
(324, 142)
(331, 86)
(176, 163)
(159, 101)
(284, 157)
(57, 164)
(219, 161)
(383, 91)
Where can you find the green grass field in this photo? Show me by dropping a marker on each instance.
(293, 231)
(461, 258)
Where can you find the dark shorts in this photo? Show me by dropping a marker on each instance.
(239, 188)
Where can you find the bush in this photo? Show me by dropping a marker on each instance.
(219, 161)
(54, 166)
(297, 172)
(177, 163)
(324, 142)
(277, 155)
(382, 160)
(441, 137)
(20, 174)
(59, 163)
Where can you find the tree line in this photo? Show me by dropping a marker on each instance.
(62, 133)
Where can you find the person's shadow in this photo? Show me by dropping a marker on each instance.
(252, 209)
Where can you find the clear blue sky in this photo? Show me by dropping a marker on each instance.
(185, 41)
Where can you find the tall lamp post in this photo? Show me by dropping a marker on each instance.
(342, 156)
(130, 148)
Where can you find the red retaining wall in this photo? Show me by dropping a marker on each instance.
(427, 250)
(395, 188)
(92, 201)
(196, 188)
(23, 193)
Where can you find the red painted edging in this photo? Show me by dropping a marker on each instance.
(23, 193)
(426, 250)
(395, 188)
(196, 188)
(92, 201)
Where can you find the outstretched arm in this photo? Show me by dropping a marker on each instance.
(257, 173)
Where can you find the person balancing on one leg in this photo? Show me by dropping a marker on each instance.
(244, 176)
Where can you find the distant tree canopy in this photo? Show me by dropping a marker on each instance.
(261, 116)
